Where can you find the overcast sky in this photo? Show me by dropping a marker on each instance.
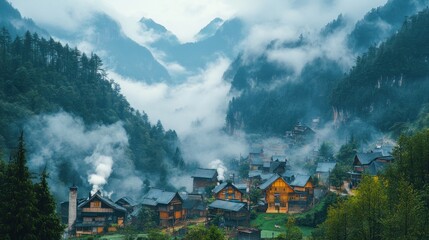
(186, 17)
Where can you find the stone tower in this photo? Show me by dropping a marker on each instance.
(72, 207)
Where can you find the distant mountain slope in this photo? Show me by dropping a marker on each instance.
(118, 51)
(382, 22)
(11, 19)
(217, 38)
(389, 85)
(301, 96)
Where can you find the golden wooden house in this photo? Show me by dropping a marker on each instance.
(169, 206)
(227, 191)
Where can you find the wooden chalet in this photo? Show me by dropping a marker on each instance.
(227, 191)
(371, 163)
(233, 213)
(203, 178)
(277, 192)
(98, 215)
(303, 193)
(282, 196)
(169, 206)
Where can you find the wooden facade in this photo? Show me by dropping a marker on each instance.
(204, 178)
(227, 191)
(283, 197)
(168, 205)
(98, 215)
(277, 196)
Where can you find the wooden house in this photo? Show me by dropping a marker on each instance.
(194, 205)
(203, 178)
(300, 134)
(98, 215)
(277, 192)
(303, 193)
(233, 213)
(227, 191)
(169, 206)
(371, 163)
(127, 203)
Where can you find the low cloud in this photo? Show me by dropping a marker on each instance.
(92, 157)
(196, 109)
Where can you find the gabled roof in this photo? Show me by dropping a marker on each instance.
(257, 161)
(300, 180)
(276, 164)
(205, 173)
(227, 205)
(325, 167)
(127, 200)
(106, 201)
(194, 201)
(270, 181)
(242, 187)
(289, 174)
(375, 168)
(366, 158)
(223, 185)
(158, 196)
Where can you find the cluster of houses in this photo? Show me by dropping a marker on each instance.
(226, 202)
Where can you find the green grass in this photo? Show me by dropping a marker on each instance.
(108, 237)
(267, 222)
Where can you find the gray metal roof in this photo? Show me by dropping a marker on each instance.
(158, 196)
(204, 173)
(129, 200)
(227, 205)
(300, 180)
(270, 181)
(257, 161)
(325, 167)
(255, 173)
(367, 158)
(102, 199)
(289, 173)
(375, 168)
(221, 186)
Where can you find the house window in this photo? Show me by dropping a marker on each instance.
(96, 204)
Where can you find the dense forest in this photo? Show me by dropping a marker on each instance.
(40, 76)
(379, 90)
(392, 206)
(389, 84)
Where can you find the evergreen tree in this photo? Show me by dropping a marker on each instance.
(18, 204)
(49, 225)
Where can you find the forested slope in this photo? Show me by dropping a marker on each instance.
(40, 76)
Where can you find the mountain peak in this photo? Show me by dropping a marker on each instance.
(209, 30)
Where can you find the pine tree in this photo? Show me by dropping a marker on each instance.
(18, 203)
(48, 226)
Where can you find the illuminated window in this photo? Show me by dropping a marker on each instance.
(96, 204)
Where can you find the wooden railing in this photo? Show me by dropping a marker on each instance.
(97, 210)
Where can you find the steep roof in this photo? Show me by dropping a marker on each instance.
(270, 181)
(127, 200)
(276, 164)
(223, 185)
(227, 205)
(158, 196)
(194, 201)
(366, 158)
(375, 168)
(257, 161)
(205, 173)
(106, 201)
(289, 173)
(325, 167)
(300, 180)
